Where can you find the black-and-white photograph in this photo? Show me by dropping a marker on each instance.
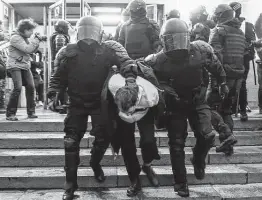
(130, 100)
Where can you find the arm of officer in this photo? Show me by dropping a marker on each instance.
(216, 41)
(122, 35)
(154, 32)
(120, 58)
(58, 79)
(210, 60)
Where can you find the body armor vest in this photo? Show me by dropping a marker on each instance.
(87, 72)
(184, 77)
(137, 42)
(234, 46)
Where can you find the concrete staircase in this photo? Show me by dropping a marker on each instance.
(32, 159)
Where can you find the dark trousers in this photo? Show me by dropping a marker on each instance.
(243, 90)
(75, 128)
(40, 91)
(21, 77)
(199, 117)
(259, 75)
(128, 146)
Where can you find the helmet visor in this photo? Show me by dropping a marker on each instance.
(177, 41)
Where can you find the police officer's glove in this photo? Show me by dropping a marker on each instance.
(223, 90)
(51, 94)
(129, 70)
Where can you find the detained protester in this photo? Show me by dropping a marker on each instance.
(228, 42)
(177, 63)
(19, 64)
(136, 102)
(82, 68)
(249, 55)
(227, 139)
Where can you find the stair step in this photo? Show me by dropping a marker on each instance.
(54, 140)
(197, 192)
(55, 157)
(37, 178)
(54, 124)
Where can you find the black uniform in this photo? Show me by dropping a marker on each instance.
(83, 69)
(183, 73)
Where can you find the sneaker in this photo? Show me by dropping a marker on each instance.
(151, 175)
(99, 174)
(182, 189)
(135, 188)
(12, 118)
(248, 109)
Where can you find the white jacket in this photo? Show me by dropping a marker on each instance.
(147, 96)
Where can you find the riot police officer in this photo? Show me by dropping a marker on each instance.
(228, 42)
(139, 35)
(178, 62)
(82, 68)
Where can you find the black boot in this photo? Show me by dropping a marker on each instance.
(199, 169)
(227, 145)
(151, 175)
(135, 187)
(243, 116)
(96, 156)
(198, 160)
(99, 173)
(182, 189)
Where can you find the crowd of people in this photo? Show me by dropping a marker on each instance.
(147, 76)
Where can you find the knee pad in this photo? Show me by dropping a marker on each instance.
(71, 144)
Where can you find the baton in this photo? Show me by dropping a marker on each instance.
(254, 69)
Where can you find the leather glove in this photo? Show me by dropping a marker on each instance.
(223, 90)
(129, 71)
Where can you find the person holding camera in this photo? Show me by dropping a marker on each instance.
(19, 64)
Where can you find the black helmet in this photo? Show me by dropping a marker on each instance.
(62, 26)
(198, 14)
(173, 14)
(89, 27)
(174, 35)
(223, 14)
(136, 5)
